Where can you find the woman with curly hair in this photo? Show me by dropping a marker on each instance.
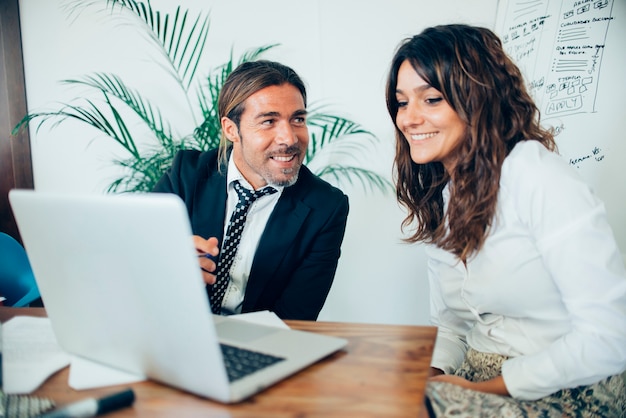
(528, 287)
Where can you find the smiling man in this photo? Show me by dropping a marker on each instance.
(279, 252)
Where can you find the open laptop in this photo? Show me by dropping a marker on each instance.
(120, 281)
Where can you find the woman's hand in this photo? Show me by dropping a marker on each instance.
(434, 372)
(207, 251)
(495, 386)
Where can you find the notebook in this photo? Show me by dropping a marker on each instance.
(120, 281)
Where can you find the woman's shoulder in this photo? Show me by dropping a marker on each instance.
(531, 159)
(531, 152)
(533, 173)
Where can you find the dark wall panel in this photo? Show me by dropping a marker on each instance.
(15, 157)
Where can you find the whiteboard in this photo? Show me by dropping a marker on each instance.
(572, 55)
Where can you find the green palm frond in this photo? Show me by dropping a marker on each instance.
(368, 179)
(207, 135)
(254, 53)
(340, 126)
(327, 128)
(343, 139)
(180, 36)
(112, 123)
(112, 85)
(143, 173)
(90, 114)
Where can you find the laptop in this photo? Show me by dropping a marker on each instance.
(120, 281)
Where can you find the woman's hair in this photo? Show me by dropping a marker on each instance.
(243, 82)
(485, 88)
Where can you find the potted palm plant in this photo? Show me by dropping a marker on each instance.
(180, 38)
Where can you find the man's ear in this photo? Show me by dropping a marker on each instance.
(230, 130)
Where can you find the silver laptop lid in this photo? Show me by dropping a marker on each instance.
(104, 266)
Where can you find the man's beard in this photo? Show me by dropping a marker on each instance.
(294, 149)
(286, 183)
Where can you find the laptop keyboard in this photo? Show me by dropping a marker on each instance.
(241, 362)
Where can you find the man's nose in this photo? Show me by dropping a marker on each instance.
(286, 134)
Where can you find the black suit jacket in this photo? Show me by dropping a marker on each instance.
(295, 263)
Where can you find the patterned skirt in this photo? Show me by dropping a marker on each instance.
(606, 398)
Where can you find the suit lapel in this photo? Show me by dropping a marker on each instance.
(282, 228)
(210, 205)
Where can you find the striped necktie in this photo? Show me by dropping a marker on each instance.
(231, 241)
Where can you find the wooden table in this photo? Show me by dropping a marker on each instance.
(381, 373)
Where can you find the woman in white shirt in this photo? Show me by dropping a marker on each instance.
(528, 287)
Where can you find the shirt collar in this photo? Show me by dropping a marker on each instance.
(234, 174)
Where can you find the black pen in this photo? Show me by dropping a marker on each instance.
(92, 407)
(209, 256)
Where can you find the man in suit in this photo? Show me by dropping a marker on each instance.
(287, 256)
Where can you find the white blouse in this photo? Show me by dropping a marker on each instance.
(548, 288)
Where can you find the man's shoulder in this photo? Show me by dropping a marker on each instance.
(195, 163)
(194, 157)
(313, 187)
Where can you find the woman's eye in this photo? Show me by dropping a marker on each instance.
(401, 103)
(434, 100)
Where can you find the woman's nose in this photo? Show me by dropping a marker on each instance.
(412, 116)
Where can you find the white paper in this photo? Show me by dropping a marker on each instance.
(30, 354)
(86, 374)
(266, 318)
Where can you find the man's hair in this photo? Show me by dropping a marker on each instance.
(243, 82)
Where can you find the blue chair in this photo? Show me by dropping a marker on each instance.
(17, 282)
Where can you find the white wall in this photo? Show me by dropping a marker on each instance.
(341, 48)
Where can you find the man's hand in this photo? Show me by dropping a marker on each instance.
(207, 250)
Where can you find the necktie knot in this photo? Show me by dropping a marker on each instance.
(246, 196)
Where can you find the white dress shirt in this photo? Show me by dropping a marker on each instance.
(548, 288)
(258, 215)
